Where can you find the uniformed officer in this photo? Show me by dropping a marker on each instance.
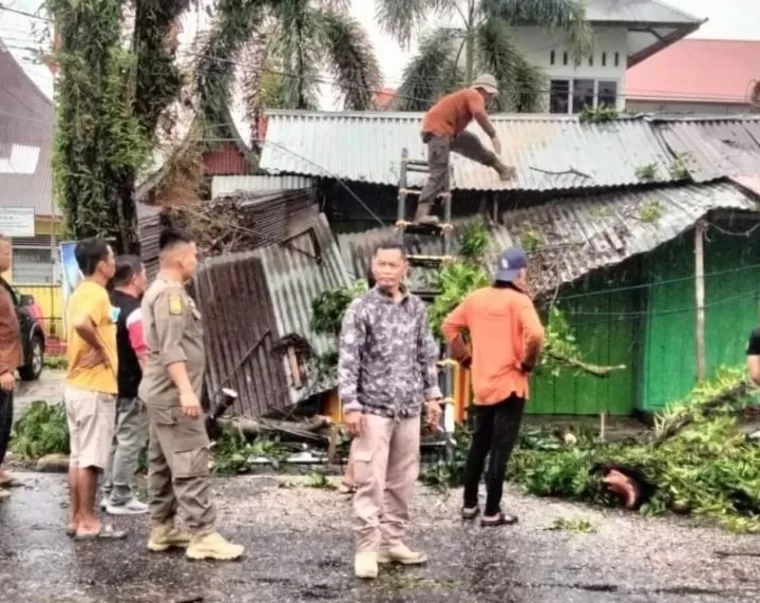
(178, 471)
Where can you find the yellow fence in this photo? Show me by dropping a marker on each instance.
(50, 300)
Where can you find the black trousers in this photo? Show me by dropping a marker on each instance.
(6, 422)
(495, 430)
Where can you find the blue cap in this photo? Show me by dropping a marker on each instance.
(510, 263)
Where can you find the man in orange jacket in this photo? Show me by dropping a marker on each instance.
(444, 130)
(506, 337)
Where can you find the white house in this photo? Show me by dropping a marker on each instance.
(625, 33)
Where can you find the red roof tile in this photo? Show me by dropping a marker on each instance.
(698, 70)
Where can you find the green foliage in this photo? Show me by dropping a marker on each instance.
(292, 40)
(678, 168)
(530, 240)
(55, 362)
(109, 96)
(233, 451)
(559, 342)
(482, 40)
(699, 461)
(647, 172)
(319, 480)
(41, 430)
(328, 308)
(651, 212)
(475, 241)
(577, 526)
(455, 281)
(598, 115)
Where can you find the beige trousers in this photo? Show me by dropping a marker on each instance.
(386, 465)
(178, 469)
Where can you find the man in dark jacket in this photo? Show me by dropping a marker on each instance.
(10, 358)
(128, 285)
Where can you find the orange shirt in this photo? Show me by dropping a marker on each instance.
(453, 113)
(505, 332)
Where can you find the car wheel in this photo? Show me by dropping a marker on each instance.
(33, 370)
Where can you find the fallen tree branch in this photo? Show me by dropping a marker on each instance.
(570, 172)
(256, 427)
(591, 369)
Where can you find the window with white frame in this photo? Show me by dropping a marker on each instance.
(572, 95)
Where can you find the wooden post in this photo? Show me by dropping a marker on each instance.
(295, 368)
(699, 286)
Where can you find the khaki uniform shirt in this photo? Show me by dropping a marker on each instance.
(173, 333)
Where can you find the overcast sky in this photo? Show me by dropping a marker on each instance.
(729, 19)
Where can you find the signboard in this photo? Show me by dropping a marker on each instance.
(17, 221)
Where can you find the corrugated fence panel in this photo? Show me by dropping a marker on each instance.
(294, 278)
(231, 292)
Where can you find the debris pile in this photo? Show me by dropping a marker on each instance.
(698, 462)
(244, 221)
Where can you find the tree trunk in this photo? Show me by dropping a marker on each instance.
(470, 45)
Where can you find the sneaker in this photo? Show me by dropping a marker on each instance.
(213, 546)
(365, 565)
(402, 555)
(131, 507)
(163, 538)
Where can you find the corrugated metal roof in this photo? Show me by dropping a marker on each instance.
(578, 235)
(225, 185)
(714, 149)
(366, 146)
(637, 11)
(294, 278)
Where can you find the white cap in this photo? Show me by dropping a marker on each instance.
(487, 82)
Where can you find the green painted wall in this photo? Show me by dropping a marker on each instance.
(732, 284)
(606, 334)
(667, 371)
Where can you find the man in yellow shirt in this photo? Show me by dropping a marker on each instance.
(91, 386)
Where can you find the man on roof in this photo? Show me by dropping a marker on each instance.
(444, 130)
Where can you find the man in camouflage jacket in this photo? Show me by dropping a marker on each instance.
(386, 372)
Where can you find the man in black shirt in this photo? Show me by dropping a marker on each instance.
(753, 356)
(127, 286)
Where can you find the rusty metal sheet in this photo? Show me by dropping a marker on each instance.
(580, 234)
(713, 149)
(240, 332)
(296, 272)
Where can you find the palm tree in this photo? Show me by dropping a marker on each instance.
(450, 58)
(283, 46)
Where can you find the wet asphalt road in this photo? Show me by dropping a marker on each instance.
(299, 548)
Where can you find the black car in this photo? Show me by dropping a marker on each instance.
(32, 336)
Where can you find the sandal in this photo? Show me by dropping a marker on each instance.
(470, 513)
(344, 488)
(107, 532)
(10, 482)
(500, 520)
